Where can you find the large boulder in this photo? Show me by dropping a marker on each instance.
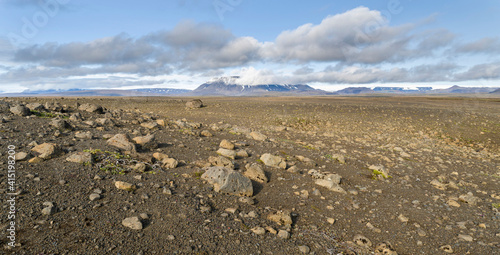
(91, 108)
(194, 104)
(273, 161)
(46, 150)
(122, 142)
(36, 107)
(228, 181)
(20, 110)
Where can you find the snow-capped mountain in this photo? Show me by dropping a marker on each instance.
(228, 86)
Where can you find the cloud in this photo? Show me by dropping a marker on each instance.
(486, 45)
(358, 46)
(360, 35)
(482, 71)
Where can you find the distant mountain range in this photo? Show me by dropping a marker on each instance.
(231, 86)
(226, 86)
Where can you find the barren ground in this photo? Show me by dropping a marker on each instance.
(441, 195)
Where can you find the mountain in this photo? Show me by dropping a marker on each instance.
(497, 91)
(227, 86)
(101, 92)
(354, 91)
(464, 90)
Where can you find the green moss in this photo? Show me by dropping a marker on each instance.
(198, 174)
(260, 161)
(376, 173)
(495, 205)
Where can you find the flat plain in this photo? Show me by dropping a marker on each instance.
(329, 175)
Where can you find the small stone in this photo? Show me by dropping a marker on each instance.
(469, 198)
(206, 133)
(21, 156)
(133, 223)
(122, 142)
(80, 157)
(205, 209)
(62, 182)
(150, 125)
(271, 230)
(467, 238)
(194, 104)
(273, 161)
(281, 217)
(385, 248)
(362, 241)
(46, 150)
(453, 203)
(225, 144)
(246, 200)
(170, 163)
(35, 160)
(447, 248)
(49, 210)
(228, 181)
(20, 110)
(304, 249)
(255, 172)
(171, 237)
(144, 216)
(330, 220)
(227, 153)
(125, 186)
(146, 142)
(242, 154)
(258, 230)
(402, 218)
(91, 108)
(421, 232)
(160, 156)
(94, 197)
(258, 136)
(283, 234)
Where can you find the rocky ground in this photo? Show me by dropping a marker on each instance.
(325, 175)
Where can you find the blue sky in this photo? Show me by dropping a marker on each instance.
(67, 44)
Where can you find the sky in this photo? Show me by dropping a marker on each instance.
(76, 44)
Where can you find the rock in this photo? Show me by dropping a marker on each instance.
(379, 172)
(205, 209)
(258, 136)
(124, 186)
(447, 248)
(169, 163)
(80, 157)
(146, 142)
(139, 167)
(362, 241)
(35, 160)
(452, 202)
(331, 220)
(258, 230)
(469, 198)
(206, 133)
(83, 135)
(331, 182)
(20, 110)
(194, 104)
(227, 153)
(122, 142)
(76, 117)
(339, 158)
(242, 154)
(54, 106)
(385, 248)
(105, 122)
(91, 108)
(402, 218)
(304, 249)
(133, 223)
(149, 125)
(281, 217)
(221, 161)
(228, 181)
(160, 156)
(466, 238)
(255, 172)
(36, 107)
(46, 150)
(225, 144)
(283, 234)
(246, 200)
(273, 161)
(94, 197)
(49, 210)
(21, 156)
